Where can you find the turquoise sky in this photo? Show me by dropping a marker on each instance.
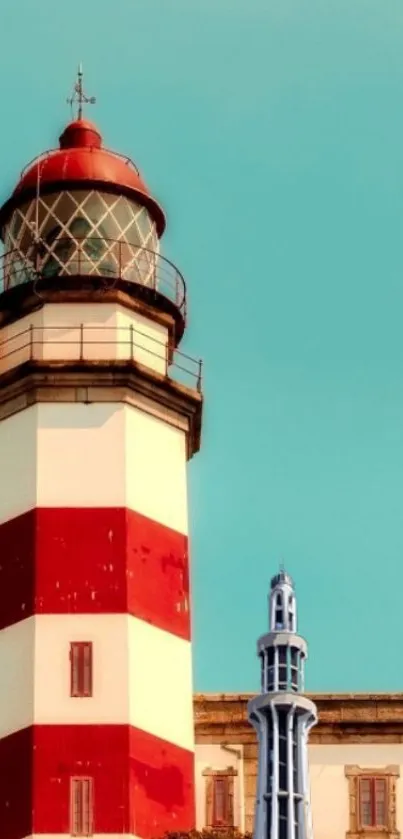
(272, 133)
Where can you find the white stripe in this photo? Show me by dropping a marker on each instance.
(161, 700)
(142, 676)
(97, 455)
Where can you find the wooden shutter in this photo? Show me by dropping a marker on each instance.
(209, 800)
(81, 668)
(220, 797)
(87, 669)
(230, 801)
(81, 806)
(74, 670)
(220, 808)
(223, 800)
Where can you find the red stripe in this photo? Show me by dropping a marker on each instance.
(142, 785)
(94, 561)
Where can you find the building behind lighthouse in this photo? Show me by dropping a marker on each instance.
(99, 415)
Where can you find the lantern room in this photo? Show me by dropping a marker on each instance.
(81, 216)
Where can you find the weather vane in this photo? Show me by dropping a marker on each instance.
(79, 96)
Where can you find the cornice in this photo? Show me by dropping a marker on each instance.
(344, 717)
(107, 381)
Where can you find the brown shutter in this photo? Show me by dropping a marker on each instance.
(75, 808)
(87, 669)
(230, 800)
(87, 807)
(81, 806)
(209, 800)
(74, 670)
(81, 668)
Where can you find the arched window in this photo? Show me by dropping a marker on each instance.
(279, 611)
(291, 612)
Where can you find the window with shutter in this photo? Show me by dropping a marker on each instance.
(81, 806)
(372, 802)
(220, 798)
(81, 668)
(372, 797)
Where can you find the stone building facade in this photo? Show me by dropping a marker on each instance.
(355, 756)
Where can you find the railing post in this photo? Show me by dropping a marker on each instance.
(81, 341)
(120, 270)
(199, 377)
(31, 341)
(131, 342)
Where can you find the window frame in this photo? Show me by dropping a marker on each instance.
(213, 776)
(372, 780)
(81, 672)
(355, 775)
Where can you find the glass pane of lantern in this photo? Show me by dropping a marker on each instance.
(16, 221)
(110, 229)
(80, 196)
(132, 235)
(80, 228)
(124, 212)
(93, 206)
(144, 223)
(65, 208)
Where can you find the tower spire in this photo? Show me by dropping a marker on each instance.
(282, 717)
(78, 96)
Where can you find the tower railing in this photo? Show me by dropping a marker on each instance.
(39, 159)
(110, 260)
(99, 343)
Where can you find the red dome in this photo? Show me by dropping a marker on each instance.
(81, 161)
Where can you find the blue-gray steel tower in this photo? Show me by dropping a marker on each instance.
(282, 717)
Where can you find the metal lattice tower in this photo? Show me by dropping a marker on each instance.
(282, 717)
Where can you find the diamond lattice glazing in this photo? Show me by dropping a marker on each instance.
(85, 233)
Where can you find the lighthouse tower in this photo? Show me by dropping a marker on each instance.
(99, 414)
(282, 717)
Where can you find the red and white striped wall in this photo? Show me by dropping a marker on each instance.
(94, 549)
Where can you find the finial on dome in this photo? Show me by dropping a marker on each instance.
(78, 96)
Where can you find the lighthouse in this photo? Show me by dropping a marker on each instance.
(99, 415)
(282, 717)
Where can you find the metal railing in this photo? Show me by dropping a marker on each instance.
(99, 343)
(95, 256)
